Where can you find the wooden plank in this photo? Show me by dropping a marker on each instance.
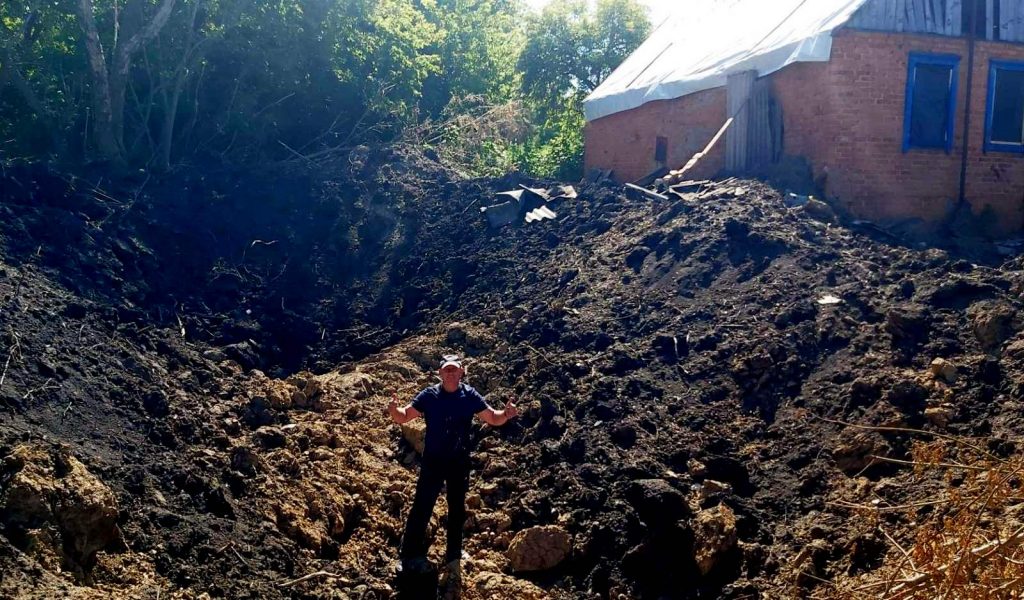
(1006, 18)
(878, 15)
(1013, 26)
(1012, 15)
(646, 192)
(858, 19)
(989, 18)
(739, 87)
(1016, 33)
(929, 18)
(869, 15)
(901, 15)
(865, 17)
(760, 136)
(954, 12)
(1013, 31)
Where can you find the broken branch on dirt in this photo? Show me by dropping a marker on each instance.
(15, 349)
(311, 576)
(45, 387)
(231, 546)
(915, 463)
(936, 434)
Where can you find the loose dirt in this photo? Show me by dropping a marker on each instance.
(195, 373)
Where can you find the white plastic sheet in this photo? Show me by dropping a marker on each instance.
(707, 40)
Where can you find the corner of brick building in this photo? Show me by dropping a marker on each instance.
(846, 117)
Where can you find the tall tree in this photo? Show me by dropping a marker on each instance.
(109, 82)
(571, 49)
(479, 42)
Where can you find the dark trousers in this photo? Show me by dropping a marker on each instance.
(454, 475)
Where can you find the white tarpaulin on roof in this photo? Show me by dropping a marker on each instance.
(707, 40)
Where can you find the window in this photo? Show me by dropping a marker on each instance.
(1004, 115)
(931, 101)
(661, 150)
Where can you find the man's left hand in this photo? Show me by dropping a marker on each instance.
(510, 409)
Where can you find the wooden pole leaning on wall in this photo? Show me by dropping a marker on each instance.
(677, 175)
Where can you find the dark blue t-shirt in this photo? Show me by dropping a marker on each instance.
(448, 417)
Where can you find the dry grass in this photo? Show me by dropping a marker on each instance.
(971, 544)
(474, 136)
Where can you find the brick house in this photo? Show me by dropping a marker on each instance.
(904, 109)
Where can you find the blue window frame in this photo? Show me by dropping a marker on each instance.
(928, 117)
(1004, 113)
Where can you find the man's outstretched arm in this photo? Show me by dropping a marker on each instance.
(404, 414)
(498, 418)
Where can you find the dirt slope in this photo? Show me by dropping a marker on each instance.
(206, 362)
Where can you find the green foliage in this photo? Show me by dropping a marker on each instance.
(256, 80)
(39, 43)
(570, 50)
(479, 44)
(557, 152)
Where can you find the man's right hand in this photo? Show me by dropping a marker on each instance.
(393, 411)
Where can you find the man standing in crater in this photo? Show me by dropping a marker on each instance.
(448, 408)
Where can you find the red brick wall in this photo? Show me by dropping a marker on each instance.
(995, 179)
(846, 116)
(625, 141)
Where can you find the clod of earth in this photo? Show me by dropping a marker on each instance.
(539, 548)
(47, 493)
(714, 533)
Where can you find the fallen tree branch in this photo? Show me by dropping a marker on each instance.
(942, 436)
(312, 576)
(855, 506)
(14, 348)
(46, 386)
(926, 464)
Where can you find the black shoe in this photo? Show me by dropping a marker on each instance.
(451, 581)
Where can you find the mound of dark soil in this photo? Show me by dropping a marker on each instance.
(687, 369)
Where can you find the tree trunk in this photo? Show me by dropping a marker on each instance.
(123, 64)
(171, 106)
(170, 115)
(103, 114)
(109, 86)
